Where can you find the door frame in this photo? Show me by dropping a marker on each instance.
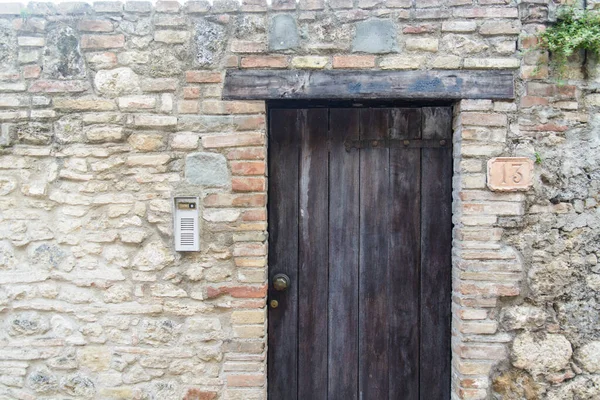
(473, 302)
(476, 349)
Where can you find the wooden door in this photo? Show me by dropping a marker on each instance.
(360, 221)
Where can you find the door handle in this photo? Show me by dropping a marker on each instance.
(281, 282)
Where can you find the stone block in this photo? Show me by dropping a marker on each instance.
(547, 354)
(402, 62)
(283, 33)
(83, 104)
(154, 120)
(171, 36)
(147, 141)
(138, 6)
(310, 62)
(459, 26)
(446, 62)
(93, 25)
(116, 82)
(108, 6)
(422, 44)
(102, 41)
(207, 169)
(375, 36)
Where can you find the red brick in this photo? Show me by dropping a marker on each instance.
(432, 13)
(417, 29)
(248, 46)
(353, 61)
(102, 41)
(551, 89)
(246, 380)
(531, 101)
(529, 42)
(93, 25)
(486, 12)
(250, 123)
(188, 107)
(486, 351)
(203, 77)
(235, 140)
(159, 85)
(246, 292)
(254, 215)
(472, 393)
(254, 200)
(265, 62)
(550, 127)
(191, 92)
(31, 71)
(230, 61)
(248, 184)
(483, 119)
(59, 86)
(235, 200)
(251, 153)
(248, 167)
(197, 394)
(232, 107)
(534, 72)
(489, 289)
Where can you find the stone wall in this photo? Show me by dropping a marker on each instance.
(109, 110)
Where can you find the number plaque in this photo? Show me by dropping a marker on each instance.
(509, 174)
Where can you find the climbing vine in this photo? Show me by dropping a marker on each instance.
(575, 29)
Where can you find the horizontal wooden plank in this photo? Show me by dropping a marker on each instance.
(351, 84)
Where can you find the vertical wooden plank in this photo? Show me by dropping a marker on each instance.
(343, 255)
(404, 256)
(284, 140)
(373, 317)
(313, 256)
(436, 242)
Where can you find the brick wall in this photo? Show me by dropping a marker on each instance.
(109, 110)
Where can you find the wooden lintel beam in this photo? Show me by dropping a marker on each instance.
(357, 84)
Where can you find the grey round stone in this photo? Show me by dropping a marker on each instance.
(41, 380)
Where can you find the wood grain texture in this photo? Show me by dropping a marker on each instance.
(343, 255)
(373, 317)
(405, 247)
(352, 84)
(436, 249)
(313, 255)
(283, 252)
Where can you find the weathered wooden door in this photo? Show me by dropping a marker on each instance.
(360, 223)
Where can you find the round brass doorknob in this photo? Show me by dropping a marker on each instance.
(281, 282)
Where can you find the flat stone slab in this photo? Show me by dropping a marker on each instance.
(207, 169)
(283, 34)
(375, 36)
